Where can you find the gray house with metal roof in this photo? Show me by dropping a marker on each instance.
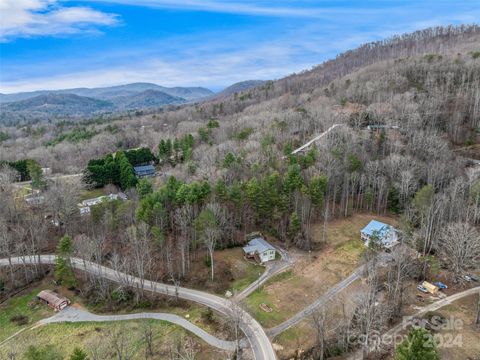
(144, 171)
(261, 248)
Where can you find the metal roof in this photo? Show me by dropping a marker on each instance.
(52, 297)
(259, 245)
(144, 168)
(378, 227)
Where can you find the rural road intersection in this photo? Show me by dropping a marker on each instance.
(260, 343)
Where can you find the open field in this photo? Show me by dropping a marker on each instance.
(313, 274)
(167, 339)
(463, 312)
(21, 305)
(90, 194)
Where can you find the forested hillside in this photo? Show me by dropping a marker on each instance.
(408, 108)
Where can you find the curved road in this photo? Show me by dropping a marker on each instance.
(71, 314)
(261, 347)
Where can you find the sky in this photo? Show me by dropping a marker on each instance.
(54, 44)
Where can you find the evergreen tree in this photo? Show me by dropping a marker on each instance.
(317, 189)
(36, 175)
(418, 345)
(144, 187)
(78, 354)
(126, 174)
(63, 269)
(295, 226)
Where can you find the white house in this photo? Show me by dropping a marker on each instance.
(259, 247)
(385, 233)
(85, 205)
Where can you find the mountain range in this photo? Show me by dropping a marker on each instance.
(84, 102)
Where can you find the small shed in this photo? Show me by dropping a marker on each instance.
(54, 300)
(144, 171)
(432, 289)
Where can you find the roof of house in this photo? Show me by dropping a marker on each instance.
(144, 168)
(257, 245)
(98, 200)
(52, 297)
(378, 227)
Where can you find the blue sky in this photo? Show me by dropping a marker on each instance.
(53, 44)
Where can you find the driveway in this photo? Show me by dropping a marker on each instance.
(272, 268)
(358, 355)
(71, 314)
(261, 347)
(308, 311)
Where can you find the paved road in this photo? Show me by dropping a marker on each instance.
(272, 268)
(298, 317)
(71, 314)
(261, 347)
(306, 145)
(358, 355)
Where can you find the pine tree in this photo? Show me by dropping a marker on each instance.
(294, 227)
(78, 354)
(418, 345)
(63, 269)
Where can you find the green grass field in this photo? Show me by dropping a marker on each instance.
(90, 194)
(21, 305)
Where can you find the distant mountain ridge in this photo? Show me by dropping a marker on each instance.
(85, 102)
(110, 92)
(78, 103)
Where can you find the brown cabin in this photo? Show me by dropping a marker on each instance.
(54, 300)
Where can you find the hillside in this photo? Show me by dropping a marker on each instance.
(53, 105)
(386, 132)
(239, 87)
(145, 99)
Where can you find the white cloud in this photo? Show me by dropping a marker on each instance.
(245, 7)
(26, 18)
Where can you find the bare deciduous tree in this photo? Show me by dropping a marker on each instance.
(460, 247)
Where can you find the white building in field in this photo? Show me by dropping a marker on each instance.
(261, 248)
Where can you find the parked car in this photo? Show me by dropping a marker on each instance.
(422, 289)
(440, 285)
(467, 278)
(474, 277)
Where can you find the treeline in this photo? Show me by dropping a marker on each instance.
(117, 169)
(22, 167)
(177, 150)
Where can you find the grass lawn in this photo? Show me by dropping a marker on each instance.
(90, 194)
(243, 272)
(66, 336)
(20, 305)
(259, 296)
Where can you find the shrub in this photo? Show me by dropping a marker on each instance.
(19, 319)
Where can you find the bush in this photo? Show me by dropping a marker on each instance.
(19, 319)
